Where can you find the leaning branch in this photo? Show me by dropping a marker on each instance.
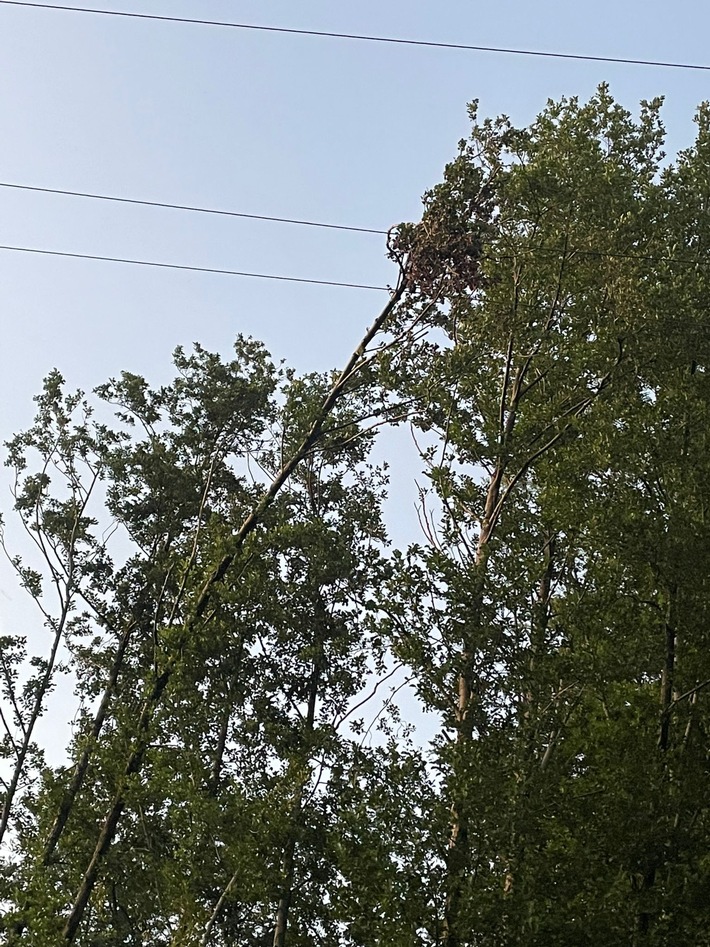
(135, 760)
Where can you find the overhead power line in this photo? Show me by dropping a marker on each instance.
(544, 251)
(189, 207)
(227, 24)
(597, 254)
(192, 269)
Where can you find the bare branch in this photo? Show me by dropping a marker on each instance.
(205, 939)
(338, 722)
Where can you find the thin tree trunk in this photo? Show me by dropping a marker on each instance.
(644, 918)
(217, 760)
(458, 856)
(289, 855)
(284, 904)
(82, 763)
(530, 720)
(216, 769)
(108, 830)
(35, 713)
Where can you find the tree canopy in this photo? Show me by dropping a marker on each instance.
(213, 573)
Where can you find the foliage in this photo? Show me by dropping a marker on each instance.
(558, 614)
(233, 622)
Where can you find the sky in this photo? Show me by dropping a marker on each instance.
(265, 123)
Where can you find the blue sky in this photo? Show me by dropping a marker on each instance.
(264, 123)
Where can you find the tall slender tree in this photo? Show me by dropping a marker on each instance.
(556, 395)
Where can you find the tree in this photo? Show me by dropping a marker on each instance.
(564, 398)
(215, 665)
(548, 342)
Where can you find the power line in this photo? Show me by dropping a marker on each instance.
(192, 269)
(189, 207)
(609, 254)
(597, 254)
(359, 36)
(543, 251)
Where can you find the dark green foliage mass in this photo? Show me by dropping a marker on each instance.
(216, 585)
(559, 611)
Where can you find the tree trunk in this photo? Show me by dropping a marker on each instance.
(288, 865)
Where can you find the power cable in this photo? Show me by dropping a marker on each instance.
(598, 254)
(359, 36)
(193, 269)
(609, 254)
(189, 207)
